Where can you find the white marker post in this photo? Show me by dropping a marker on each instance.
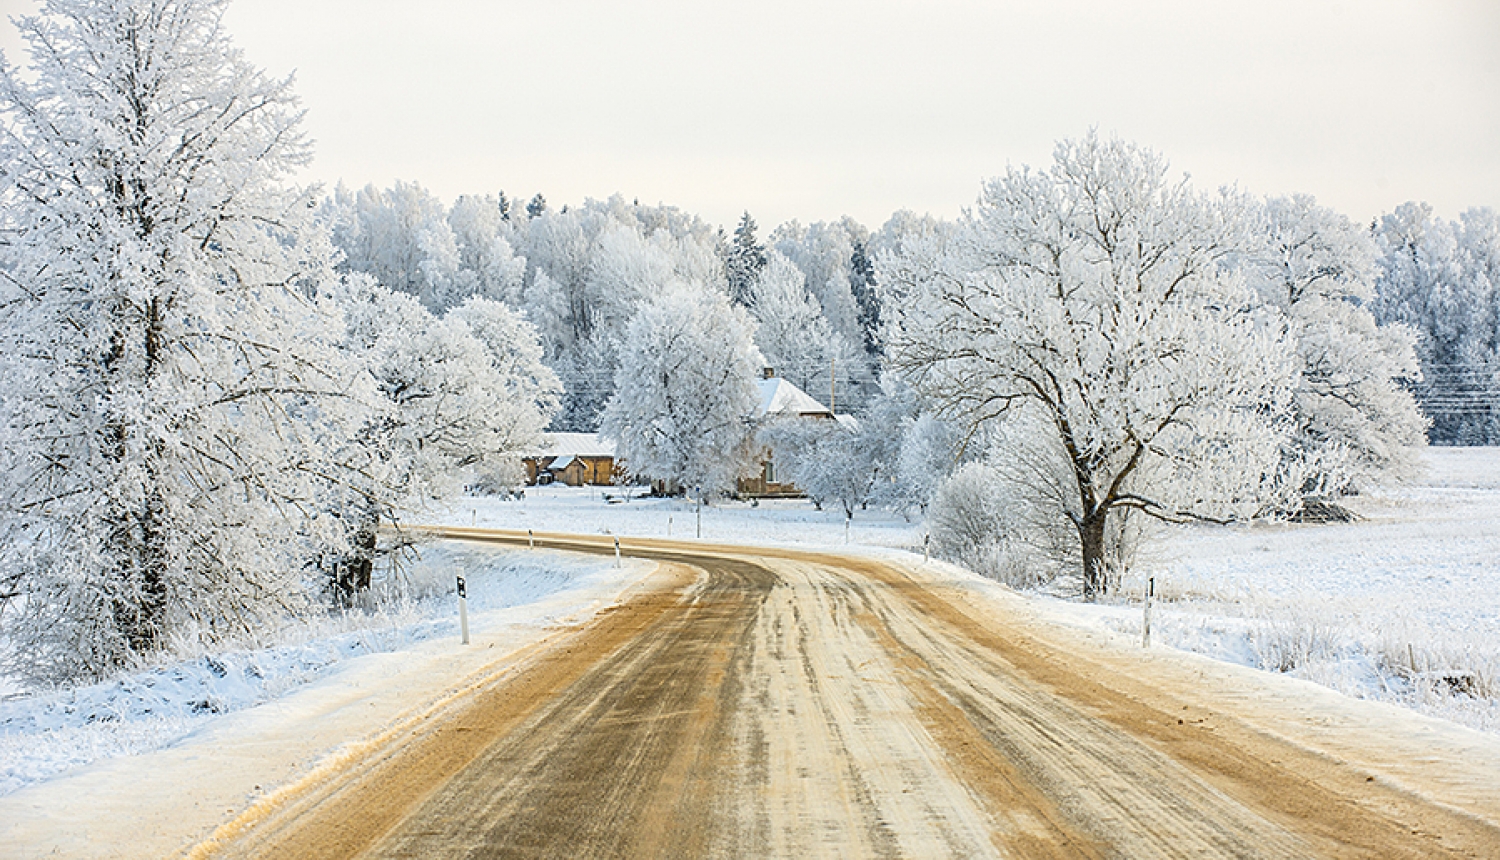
(926, 548)
(1146, 623)
(530, 540)
(463, 611)
(700, 512)
(617, 552)
(669, 525)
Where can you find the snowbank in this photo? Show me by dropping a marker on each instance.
(45, 735)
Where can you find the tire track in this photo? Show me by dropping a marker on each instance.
(768, 703)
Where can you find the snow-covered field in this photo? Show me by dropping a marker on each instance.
(626, 511)
(1403, 606)
(512, 595)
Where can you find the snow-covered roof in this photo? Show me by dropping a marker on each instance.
(561, 463)
(779, 397)
(574, 445)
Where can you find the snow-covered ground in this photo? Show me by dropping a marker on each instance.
(1403, 606)
(627, 511)
(509, 592)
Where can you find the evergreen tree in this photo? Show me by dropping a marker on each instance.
(743, 260)
(862, 283)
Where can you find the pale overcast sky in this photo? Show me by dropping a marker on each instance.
(812, 110)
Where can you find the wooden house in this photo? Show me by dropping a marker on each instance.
(779, 400)
(575, 459)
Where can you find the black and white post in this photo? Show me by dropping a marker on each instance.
(617, 551)
(530, 540)
(463, 611)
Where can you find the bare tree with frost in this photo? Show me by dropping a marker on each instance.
(1092, 301)
(462, 395)
(170, 389)
(685, 391)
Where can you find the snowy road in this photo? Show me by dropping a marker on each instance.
(757, 703)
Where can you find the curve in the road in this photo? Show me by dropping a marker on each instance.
(756, 703)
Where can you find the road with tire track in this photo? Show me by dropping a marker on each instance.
(776, 703)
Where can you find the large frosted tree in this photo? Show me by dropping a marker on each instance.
(168, 386)
(685, 391)
(1089, 302)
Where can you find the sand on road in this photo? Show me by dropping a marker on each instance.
(774, 703)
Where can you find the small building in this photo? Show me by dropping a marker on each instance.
(779, 400)
(575, 459)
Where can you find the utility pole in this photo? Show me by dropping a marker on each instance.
(833, 375)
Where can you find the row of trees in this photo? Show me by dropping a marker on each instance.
(204, 423)
(1442, 278)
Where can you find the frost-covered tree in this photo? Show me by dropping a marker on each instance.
(929, 451)
(1355, 424)
(832, 461)
(461, 395)
(685, 391)
(824, 251)
(588, 270)
(479, 231)
(792, 333)
(1092, 300)
(1442, 278)
(409, 241)
(169, 386)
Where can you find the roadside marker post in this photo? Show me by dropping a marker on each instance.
(617, 551)
(926, 548)
(530, 540)
(700, 511)
(463, 611)
(669, 525)
(1146, 622)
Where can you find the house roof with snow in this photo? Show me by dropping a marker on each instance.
(573, 445)
(779, 397)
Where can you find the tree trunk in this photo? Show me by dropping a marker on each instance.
(1091, 537)
(354, 572)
